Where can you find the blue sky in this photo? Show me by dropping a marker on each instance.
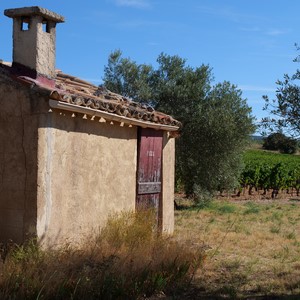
(249, 43)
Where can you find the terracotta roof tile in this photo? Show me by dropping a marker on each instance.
(77, 92)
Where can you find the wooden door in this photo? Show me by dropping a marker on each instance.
(149, 170)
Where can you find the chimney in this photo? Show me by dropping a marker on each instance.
(34, 41)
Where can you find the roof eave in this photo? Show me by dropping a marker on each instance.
(109, 116)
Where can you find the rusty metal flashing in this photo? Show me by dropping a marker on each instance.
(108, 116)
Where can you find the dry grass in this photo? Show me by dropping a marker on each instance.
(253, 248)
(127, 260)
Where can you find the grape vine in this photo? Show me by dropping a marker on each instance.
(265, 171)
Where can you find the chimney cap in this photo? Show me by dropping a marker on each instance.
(34, 11)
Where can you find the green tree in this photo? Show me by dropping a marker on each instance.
(279, 141)
(126, 77)
(216, 120)
(285, 108)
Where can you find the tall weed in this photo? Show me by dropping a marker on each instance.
(128, 259)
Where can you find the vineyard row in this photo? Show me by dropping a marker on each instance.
(270, 171)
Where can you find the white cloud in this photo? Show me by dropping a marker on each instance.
(270, 32)
(250, 29)
(152, 44)
(229, 13)
(133, 3)
(140, 23)
(254, 88)
(275, 32)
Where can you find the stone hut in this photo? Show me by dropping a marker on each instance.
(71, 153)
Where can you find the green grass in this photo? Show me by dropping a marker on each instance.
(221, 207)
(264, 154)
(251, 208)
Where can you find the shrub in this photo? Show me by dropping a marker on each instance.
(290, 146)
(273, 141)
(202, 198)
(127, 260)
(278, 141)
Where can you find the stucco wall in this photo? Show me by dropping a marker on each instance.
(168, 173)
(62, 175)
(18, 165)
(87, 170)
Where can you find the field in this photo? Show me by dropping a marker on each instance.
(252, 248)
(230, 249)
